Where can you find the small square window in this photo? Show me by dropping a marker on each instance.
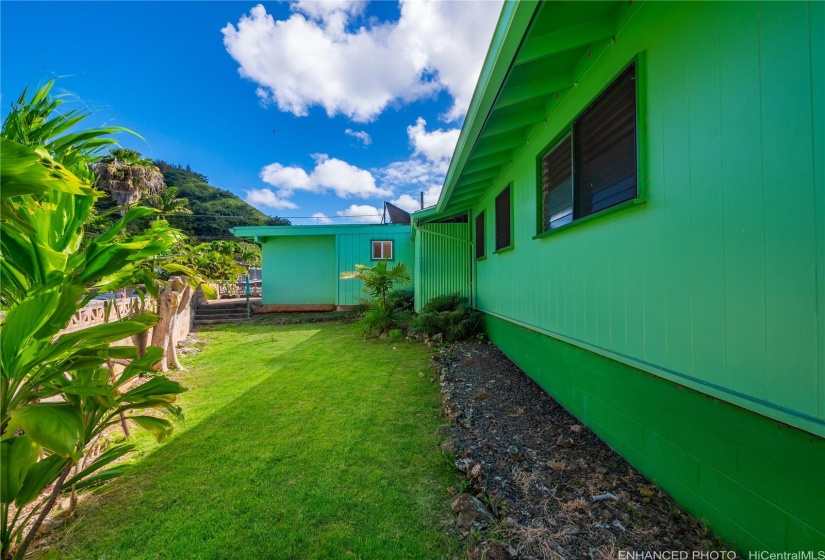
(480, 248)
(504, 236)
(381, 250)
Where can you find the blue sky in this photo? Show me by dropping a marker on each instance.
(301, 108)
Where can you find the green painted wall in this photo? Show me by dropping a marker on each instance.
(756, 482)
(298, 270)
(717, 282)
(442, 261)
(303, 264)
(355, 249)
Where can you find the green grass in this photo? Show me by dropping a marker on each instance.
(300, 441)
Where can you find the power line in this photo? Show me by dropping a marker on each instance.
(272, 217)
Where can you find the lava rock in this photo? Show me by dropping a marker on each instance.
(471, 512)
(492, 550)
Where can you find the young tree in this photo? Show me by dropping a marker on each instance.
(58, 392)
(379, 279)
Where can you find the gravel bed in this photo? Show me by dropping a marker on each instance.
(539, 484)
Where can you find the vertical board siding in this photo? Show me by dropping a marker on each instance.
(719, 278)
(443, 263)
(298, 270)
(352, 249)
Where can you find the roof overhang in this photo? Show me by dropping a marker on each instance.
(538, 53)
(259, 233)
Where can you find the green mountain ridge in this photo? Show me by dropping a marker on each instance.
(214, 210)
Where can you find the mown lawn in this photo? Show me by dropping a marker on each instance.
(300, 441)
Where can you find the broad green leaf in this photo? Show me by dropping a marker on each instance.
(29, 171)
(100, 461)
(132, 214)
(21, 323)
(38, 477)
(111, 332)
(209, 291)
(159, 427)
(158, 403)
(57, 427)
(140, 365)
(87, 391)
(154, 387)
(17, 455)
(101, 477)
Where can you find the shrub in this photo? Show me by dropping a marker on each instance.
(388, 308)
(450, 316)
(396, 314)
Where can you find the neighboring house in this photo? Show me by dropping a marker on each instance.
(637, 204)
(301, 265)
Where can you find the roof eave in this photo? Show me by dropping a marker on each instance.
(512, 26)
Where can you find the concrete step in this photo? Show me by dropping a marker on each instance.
(234, 304)
(220, 316)
(221, 311)
(218, 321)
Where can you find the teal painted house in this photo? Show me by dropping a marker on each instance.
(637, 204)
(302, 265)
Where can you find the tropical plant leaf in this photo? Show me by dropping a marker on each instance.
(144, 364)
(17, 455)
(101, 477)
(111, 454)
(38, 477)
(20, 325)
(159, 427)
(57, 427)
(154, 387)
(27, 171)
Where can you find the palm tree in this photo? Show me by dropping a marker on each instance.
(128, 177)
(379, 279)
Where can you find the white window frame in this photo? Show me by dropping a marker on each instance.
(381, 252)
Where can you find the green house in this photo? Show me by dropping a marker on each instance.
(637, 204)
(302, 265)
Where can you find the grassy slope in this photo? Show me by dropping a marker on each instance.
(301, 441)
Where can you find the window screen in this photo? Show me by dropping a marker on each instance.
(503, 219)
(605, 148)
(480, 249)
(557, 185)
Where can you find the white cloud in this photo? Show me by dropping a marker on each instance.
(453, 37)
(312, 58)
(267, 198)
(431, 195)
(429, 161)
(437, 146)
(330, 174)
(362, 214)
(423, 171)
(287, 178)
(321, 218)
(408, 203)
(362, 135)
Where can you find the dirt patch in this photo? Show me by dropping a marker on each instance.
(552, 487)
